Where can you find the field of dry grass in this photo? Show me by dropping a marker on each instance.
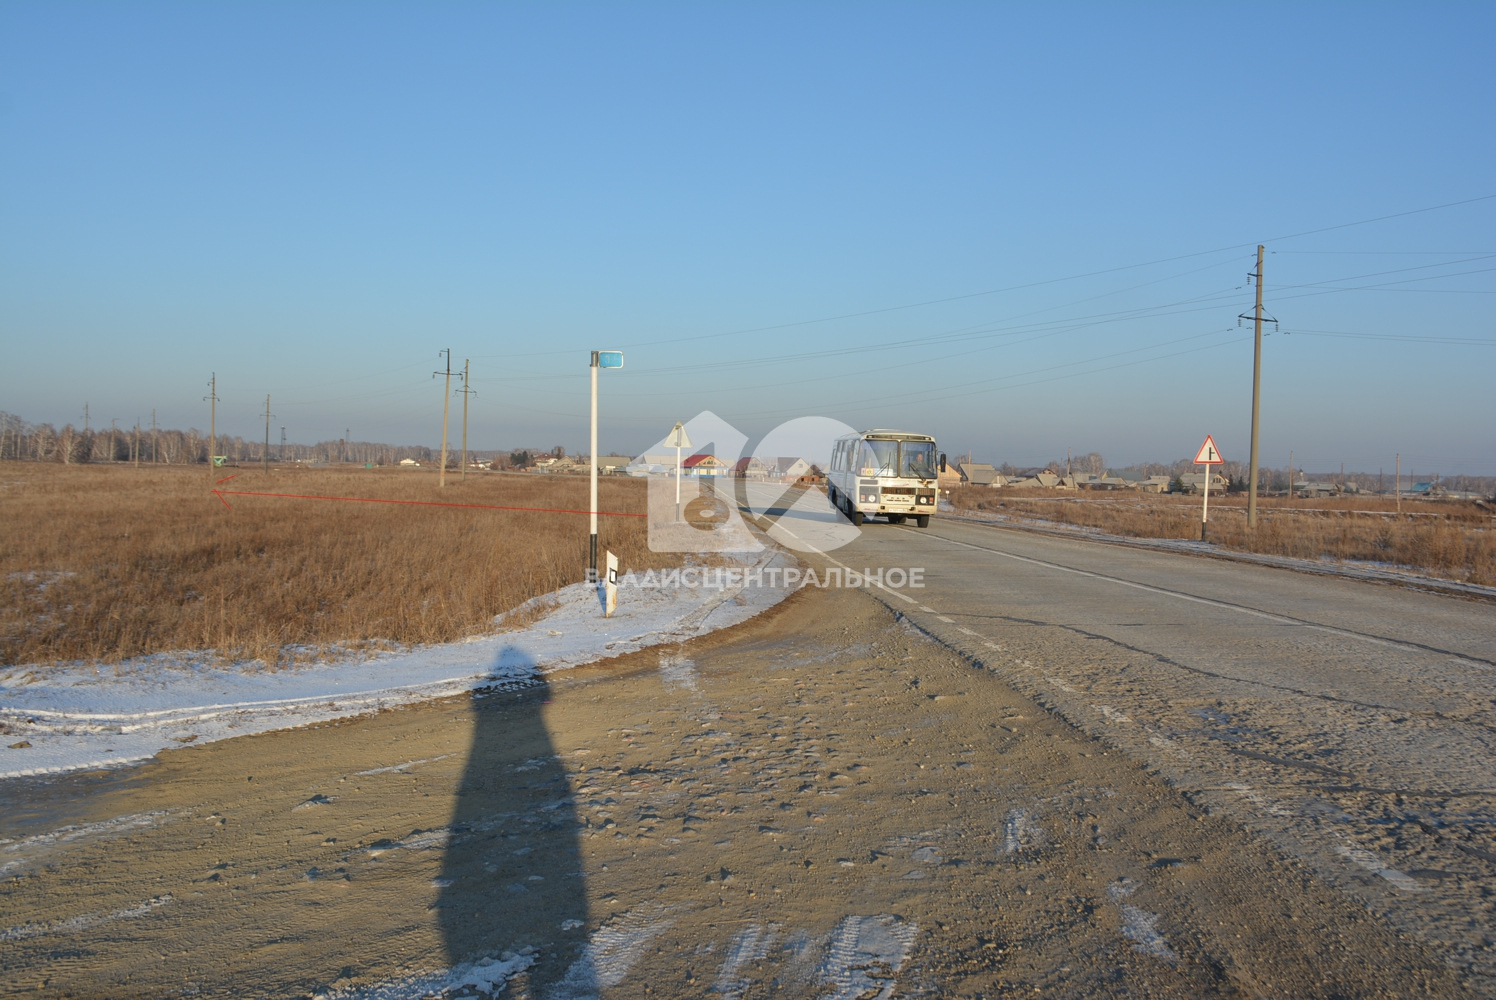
(108, 562)
(1454, 540)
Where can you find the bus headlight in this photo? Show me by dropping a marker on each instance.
(867, 496)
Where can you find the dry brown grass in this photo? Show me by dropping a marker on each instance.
(103, 563)
(1454, 540)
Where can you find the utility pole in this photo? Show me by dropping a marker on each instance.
(1287, 497)
(1397, 483)
(155, 441)
(592, 461)
(86, 458)
(265, 455)
(346, 432)
(212, 420)
(441, 478)
(113, 429)
(1256, 395)
(465, 393)
(137, 442)
(283, 446)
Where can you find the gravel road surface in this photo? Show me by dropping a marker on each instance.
(819, 802)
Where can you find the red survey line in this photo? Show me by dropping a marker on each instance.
(226, 479)
(416, 503)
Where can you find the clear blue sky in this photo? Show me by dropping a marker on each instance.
(314, 199)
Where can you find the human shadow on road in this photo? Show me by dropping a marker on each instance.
(512, 872)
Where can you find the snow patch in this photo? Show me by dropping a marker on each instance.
(1138, 925)
(1022, 832)
(1373, 864)
(611, 952)
(19, 853)
(751, 944)
(486, 975)
(81, 716)
(82, 922)
(864, 955)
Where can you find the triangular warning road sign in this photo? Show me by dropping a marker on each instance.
(1208, 453)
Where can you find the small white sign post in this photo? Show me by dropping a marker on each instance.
(610, 585)
(677, 439)
(1208, 456)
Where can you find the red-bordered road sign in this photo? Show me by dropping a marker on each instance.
(1209, 454)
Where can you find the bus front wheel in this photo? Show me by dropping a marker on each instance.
(923, 520)
(856, 517)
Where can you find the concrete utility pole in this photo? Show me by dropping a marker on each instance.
(1288, 497)
(441, 478)
(282, 458)
(155, 441)
(1256, 396)
(113, 429)
(266, 454)
(465, 393)
(212, 419)
(137, 442)
(1397, 483)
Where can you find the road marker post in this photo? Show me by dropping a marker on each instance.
(677, 439)
(610, 587)
(1208, 455)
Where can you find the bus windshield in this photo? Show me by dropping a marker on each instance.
(917, 460)
(879, 458)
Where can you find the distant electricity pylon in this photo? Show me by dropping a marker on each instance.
(265, 456)
(466, 392)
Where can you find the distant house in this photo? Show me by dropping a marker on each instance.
(1194, 482)
(978, 474)
(704, 465)
(609, 465)
(1154, 484)
(789, 468)
(750, 468)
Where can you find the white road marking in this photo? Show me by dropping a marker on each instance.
(967, 631)
(950, 621)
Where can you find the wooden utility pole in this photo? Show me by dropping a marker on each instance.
(441, 479)
(1288, 497)
(155, 441)
(266, 454)
(137, 442)
(1256, 396)
(466, 392)
(212, 396)
(113, 429)
(1397, 483)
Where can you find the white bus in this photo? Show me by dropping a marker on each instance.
(884, 472)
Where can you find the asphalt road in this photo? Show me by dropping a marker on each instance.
(1349, 723)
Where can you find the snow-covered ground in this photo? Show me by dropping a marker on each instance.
(88, 716)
